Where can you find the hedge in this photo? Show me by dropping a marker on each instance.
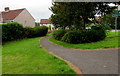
(29, 32)
(12, 31)
(40, 31)
(15, 31)
(71, 37)
(84, 36)
(80, 36)
(58, 34)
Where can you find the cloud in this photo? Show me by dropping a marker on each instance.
(37, 8)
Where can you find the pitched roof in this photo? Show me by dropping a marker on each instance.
(11, 14)
(45, 21)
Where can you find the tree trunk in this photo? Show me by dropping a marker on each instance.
(83, 23)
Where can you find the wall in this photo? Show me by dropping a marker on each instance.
(47, 25)
(25, 19)
(1, 20)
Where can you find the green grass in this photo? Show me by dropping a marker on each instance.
(28, 57)
(111, 41)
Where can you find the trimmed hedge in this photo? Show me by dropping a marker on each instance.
(40, 31)
(15, 31)
(12, 31)
(36, 31)
(80, 36)
(71, 37)
(58, 34)
(85, 36)
(29, 32)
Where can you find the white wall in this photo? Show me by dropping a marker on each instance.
(119, 7)
(25, 19)
(1, 20)
(47, 25)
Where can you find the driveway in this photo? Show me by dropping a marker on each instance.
(89, 62)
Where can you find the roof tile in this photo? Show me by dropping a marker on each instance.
(11, 14)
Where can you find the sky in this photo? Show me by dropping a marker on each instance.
(39, 9)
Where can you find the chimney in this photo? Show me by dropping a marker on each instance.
(7, 9)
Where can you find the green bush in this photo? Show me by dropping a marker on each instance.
(15, 31)
(71, 37)
(92, 35)
(40, 31)
(84, 36)
(113, 27)
(29, 32)
(12, 31)
(99, 27)
(58, 34)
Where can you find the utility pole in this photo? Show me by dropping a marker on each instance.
(116, 25)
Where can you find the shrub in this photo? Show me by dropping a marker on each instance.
(71, 37)
(92, 35)
(113, 27)
(12, 31)
(40, 31)
(97, 27)
(29, 32)
(58, 34)
(84, 36)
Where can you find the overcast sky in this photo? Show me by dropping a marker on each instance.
(37, 8)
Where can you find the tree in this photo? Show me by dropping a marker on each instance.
(37, 24)
(109, 21)
(75, 14)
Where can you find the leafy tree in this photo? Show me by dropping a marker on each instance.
(75, 14)
(37, 24)
(109, 21)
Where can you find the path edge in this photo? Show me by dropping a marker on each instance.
(86, 49)
(75, 68)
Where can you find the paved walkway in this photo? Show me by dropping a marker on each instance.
(89, 62)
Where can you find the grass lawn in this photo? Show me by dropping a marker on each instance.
(111, 41)
(27, 57)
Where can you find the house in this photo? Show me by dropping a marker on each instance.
(21, 16)
(46, 22)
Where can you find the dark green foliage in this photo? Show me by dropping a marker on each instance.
(12, 31)
(37, 24)
(71, 37)
(113, 27)
(29, 32)
(40, 31)
(84, 36)
(36, 31)
(15, 31)
(58, 34)
(78, 14)
(98, 27)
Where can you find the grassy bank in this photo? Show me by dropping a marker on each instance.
(111, 41)
(28, 57)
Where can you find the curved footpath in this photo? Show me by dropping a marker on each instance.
(89, 62)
